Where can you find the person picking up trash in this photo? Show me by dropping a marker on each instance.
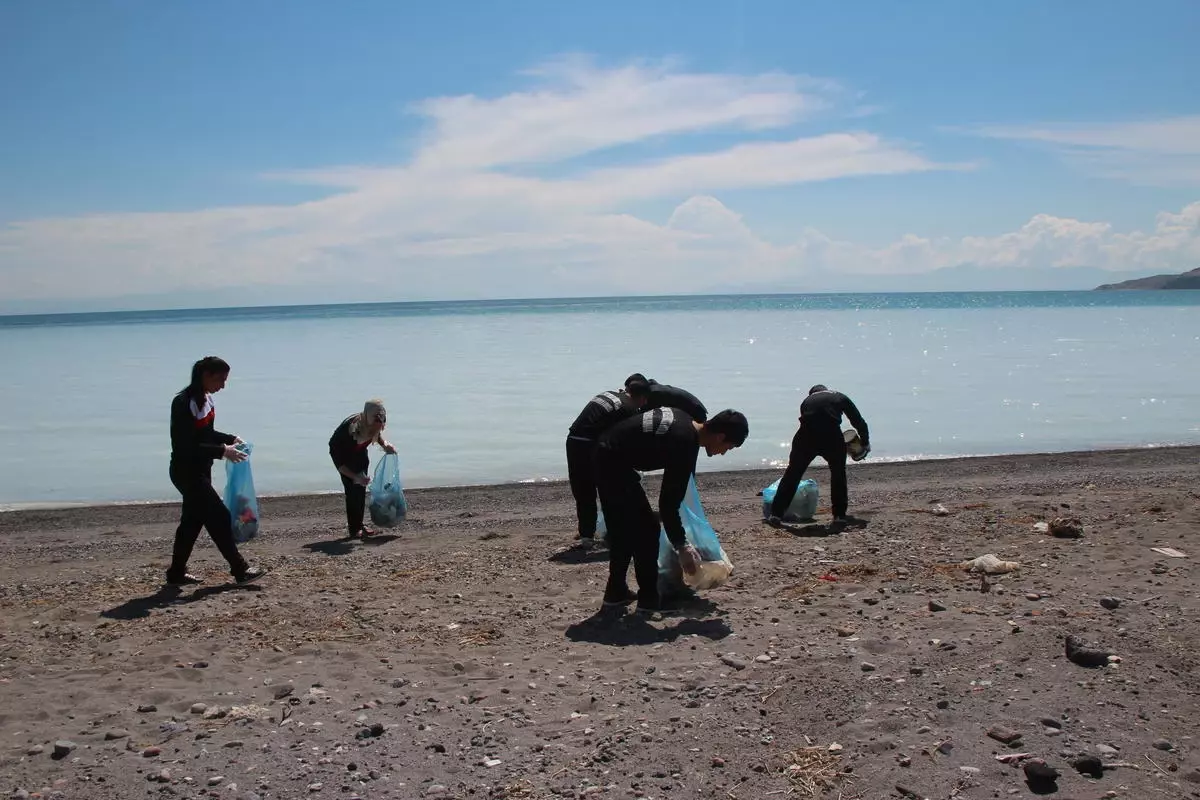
(662, 395)
(820, 434)
(666, 439)
(602, 412)
(348, 449)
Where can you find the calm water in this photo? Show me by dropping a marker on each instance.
(483, 392)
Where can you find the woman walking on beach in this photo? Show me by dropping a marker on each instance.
(195, 444)
(348, 449)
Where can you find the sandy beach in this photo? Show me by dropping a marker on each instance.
(461, 656)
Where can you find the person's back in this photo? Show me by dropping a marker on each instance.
(653, 440)
(662, 395)
(821, 414)
(601, 412)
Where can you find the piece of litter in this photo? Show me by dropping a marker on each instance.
(1170, 552)
(491, 762)
(1041, 527)
(453, 626)
(989, 564)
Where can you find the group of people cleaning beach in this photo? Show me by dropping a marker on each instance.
(645, 426)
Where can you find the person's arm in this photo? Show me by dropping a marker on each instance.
(860, 424)
(341, 448)
(384, 443)
(186, 438)
(670, 497)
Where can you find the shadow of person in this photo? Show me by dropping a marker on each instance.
(168, 595)
(625, 630)
(577, 554)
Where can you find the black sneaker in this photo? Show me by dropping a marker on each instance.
(773, 521)
(249, 575)
(619, 602)
(186, 579)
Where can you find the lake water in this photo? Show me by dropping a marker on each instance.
(483, 392)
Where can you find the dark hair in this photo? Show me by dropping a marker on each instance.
(731, 423)
(820, 387)
(637, 388)
(636, 377)
(208, 365)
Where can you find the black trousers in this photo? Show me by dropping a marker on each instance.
(581, 472)
(633, 530)
(806, 446)
(202, 508)
(356, 504)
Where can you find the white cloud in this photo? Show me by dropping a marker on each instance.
(1161, 151)
(493, 202)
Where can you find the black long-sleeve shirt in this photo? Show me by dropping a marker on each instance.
(662, 438)
(346, 450)
(665, 396)
(195, 442)
(821, 415)
(601, 412)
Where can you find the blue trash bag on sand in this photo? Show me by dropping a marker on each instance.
(715, 566)
(240, 498)
(387, 504)
(803, 505)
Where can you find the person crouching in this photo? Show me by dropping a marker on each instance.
(348, 449)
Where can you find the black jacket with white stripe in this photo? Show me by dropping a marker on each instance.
(662, 438)
(602, 411)
(663, 395)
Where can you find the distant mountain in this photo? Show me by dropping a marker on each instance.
(1186, 280)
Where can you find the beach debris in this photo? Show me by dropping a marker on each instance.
(1170, 552)
(990, 564)
(1012, 758)
(62, 748)
(940, 510)
(1078, 653)
(1066, 527)
(1041, 527)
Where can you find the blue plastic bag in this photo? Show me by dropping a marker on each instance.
(803, 505)
(715, 566)
(387, 505)
(240, 498)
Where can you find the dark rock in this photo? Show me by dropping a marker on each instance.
(1066, 527)
(1090, 766)
(1040, 774)
(1111, 603)
(1003, 734)
(62, 748)
(934, 605)
(1051, 722)
(1084, 656)
(1164, 745)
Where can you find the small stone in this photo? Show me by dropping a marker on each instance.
(491, 762)
(200, 665)
(970, 770)
(1002, 734)
(718, 762)
(934, 605)
(234, 743)
(152, 752)
(1038, 772)
(1066, 527)
(459, 666)
(1050, 722)
(1106, 751)
(731, 660)
(62, 748)
(945, 747)
(115, 733)
(147, 709)
(35, 750)
(1111, 603)
(216, 780)
(163, 775)
(1033, 596)
(845, 633)
(916, 671)
(1091, 766)
(316, 787)
(283, 690)
(198, 708)
(763, 659)
(1164, 745)
(904, 761)
(943, 704)
(867, 666)
(435, 790)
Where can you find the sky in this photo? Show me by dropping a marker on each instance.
(240, 153)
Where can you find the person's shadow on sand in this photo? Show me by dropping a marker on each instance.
(341, 547)
(634, 629)
(579, 555)
(140, 607)
(812, 528)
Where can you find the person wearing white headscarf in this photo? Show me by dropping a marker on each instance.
(348, 449)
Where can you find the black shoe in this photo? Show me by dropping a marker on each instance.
(186, 579)
(617, 600)
(249, 575)
(774, 521)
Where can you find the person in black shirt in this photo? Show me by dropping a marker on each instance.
(820, 434)
(195, 443)
(348, 449)
(601, 412)
(666, 439)
(662, 395)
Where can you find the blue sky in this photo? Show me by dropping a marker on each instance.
(183, 148)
